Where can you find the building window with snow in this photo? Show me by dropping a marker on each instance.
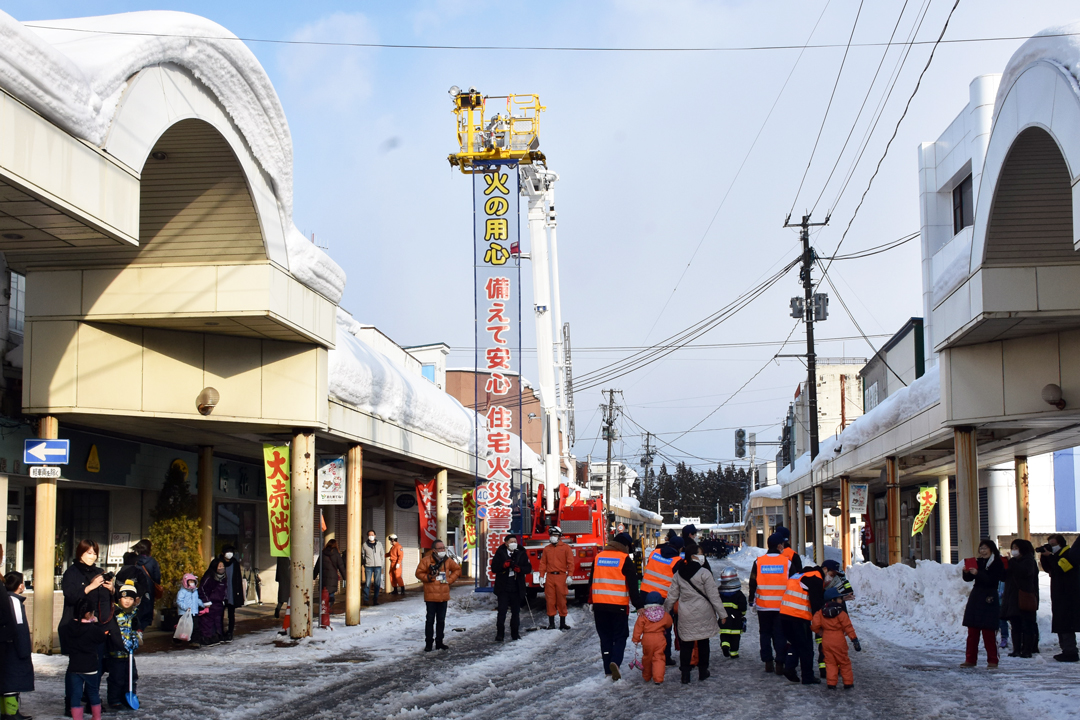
(17, 304)
(962, 210)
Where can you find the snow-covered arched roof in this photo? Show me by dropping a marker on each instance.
(1059, 44)
(75, 71)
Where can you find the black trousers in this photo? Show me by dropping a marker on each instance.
(771, 635)
(436, 621)
(613, 630)
(118, 679)
(511, 601)
(1024, 633)
(231, 609)
(686, 654)
(797, 633)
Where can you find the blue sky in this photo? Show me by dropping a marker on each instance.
(646, 145)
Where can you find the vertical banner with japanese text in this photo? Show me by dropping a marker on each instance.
(468, 503)
(927, 500)
(498, 349)
(278, 497)
(425, 501)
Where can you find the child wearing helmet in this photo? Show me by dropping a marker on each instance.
(649, 629)
(833, 624)
(731, 629)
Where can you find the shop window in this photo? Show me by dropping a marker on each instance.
(17, 305)
(81, 515)
(962, 204)
(235, 525)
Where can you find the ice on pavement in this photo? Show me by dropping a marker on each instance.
(74, 72)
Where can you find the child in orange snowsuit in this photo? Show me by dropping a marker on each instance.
(649, 629)
(834, 626)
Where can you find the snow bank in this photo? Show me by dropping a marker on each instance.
(1063, 51)
(744, 559)
(74, 72)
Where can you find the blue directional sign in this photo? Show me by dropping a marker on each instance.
(46, 452)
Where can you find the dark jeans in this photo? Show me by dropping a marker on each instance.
(436, 621)
(76, 683)
(797, 633)
(231, 609)
(613, 629)
(686, 654)
(511, 600)
(771, 635)
(1023, 633)
(118, 679)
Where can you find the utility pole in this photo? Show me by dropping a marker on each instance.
(646, 461)
(609, 435)
(807, 311)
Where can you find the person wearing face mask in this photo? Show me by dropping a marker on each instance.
(510, 566)
(396, 556)
(1020, 599)
(983, 608)
(234, 586)
(700, 610)
(438, 571)
(372, 557)
(556, 565)
(1062, 563)
(690, 535)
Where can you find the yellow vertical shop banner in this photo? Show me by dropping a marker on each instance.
(468, 503)
(927, 500)
(278, 497)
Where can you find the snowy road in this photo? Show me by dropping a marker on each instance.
(380, 671)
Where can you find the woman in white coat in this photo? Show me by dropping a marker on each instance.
(700, 610)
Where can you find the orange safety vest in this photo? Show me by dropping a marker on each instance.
(796, 602)
(788, 553)
(771, 579)
(658, 574)
(609, 583)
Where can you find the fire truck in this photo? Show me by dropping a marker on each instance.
(582, 523)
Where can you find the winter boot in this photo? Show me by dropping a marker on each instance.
(551, 622)
(821, 673)
(849, 687)
(228, 637)
(669, 662)
(427, 646)
(780, 669)
(792, 676)
(515, 636)
(562, 623)
(830, 687)
(685, 677)
(439, 645)
(616, 674)
(1067, 657)
(727, 653)
(703, 674)
(769, 667)
(812, 681)
(499, 636)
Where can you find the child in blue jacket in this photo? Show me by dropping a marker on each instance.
(188, 600)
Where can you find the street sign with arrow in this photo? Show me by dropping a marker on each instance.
(46, 452)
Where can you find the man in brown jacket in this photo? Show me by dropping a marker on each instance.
(556, 565)
(438, 571)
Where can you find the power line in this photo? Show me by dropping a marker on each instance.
(738, 172)
(550, 48)
(721, 346)
(896, 130)
(828, 107)
(877, 250)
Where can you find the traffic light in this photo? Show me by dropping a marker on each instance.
(740, 443)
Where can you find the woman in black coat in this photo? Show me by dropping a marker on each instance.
(84, 579)
(18, 668)
(234, 584)
(983, 612)
(1062, 563)
(1020, 600)
(330, 568)
(510, 566)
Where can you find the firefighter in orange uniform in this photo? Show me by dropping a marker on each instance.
(396, 557)
(613, 588)
(556, 565)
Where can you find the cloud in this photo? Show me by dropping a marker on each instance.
(334, 76)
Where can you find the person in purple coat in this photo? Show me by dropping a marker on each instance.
(213, 591)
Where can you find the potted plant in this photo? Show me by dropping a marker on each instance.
(175, 535)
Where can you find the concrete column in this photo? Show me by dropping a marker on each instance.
(845, 522)
(819, 525)
(892, 503)
(753, 532)
(440, 505)
(787, 514)
(206, 502)
(944, 529)
(1023, 515)
(44, 549)
(766, 529)
(967, 491)
(389, 522)
(302, 540)
(798, 532)
(354, 486)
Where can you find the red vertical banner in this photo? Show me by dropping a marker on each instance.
(425, 501)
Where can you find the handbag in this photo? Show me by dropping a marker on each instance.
(159, 591)
(1028, 601)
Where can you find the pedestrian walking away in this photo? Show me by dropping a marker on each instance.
(510, 566)
(152, 589)
(804, 596)
(734, 600)
(613, 588)
(700, 611)
(437, 571)
(983, 609)
(330, 568)
(649, 631)
(556, 565)
(659, 572)
(1020, 598)
(832, 623)
(396, 556)
(768, 582)
(1062, 564)
(372, 558)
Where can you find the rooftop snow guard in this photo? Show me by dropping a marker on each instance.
(74, 73)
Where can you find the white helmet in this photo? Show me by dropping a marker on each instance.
(555, 530)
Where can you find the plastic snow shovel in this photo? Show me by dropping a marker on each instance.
(131, 697)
